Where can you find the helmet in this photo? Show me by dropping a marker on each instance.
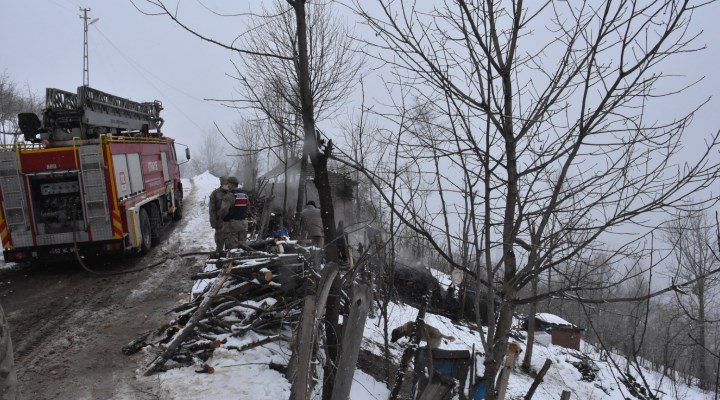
(233, 180)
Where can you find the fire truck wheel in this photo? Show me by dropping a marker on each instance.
(155, 223)
(177, 215)
(146, 231)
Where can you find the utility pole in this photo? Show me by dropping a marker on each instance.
(86, 63)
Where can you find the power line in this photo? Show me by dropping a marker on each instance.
(139, 68)
(138, 65)
(75, 3)
(62, 6)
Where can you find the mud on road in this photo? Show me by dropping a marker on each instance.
(68, 326)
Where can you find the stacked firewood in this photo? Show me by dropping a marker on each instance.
(243, 292)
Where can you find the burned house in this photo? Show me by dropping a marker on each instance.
(563, 333)
(342, 186)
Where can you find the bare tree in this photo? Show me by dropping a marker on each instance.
(317, 149)
(364, 139)
(281, 139)
(12, 102)
(333, 60)
(270, 58)
(551, 132)
(333, 67)
(248, 140)
(213, 156)
(9, 99)
(692, 237)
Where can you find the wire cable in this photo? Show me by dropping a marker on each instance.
(142, 71)
(94, 272)
(64, 7)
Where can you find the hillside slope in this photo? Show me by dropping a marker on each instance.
(247, 375)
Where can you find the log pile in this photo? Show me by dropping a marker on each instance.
(247, 291)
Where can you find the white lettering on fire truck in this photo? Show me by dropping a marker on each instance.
(123, 183)
(153, 166)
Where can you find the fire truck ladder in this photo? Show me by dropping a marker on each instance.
(93, 181)
(92, 108)
(13, 202)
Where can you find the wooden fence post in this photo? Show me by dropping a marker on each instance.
(302, 382)
(510, 358)
(352, 338)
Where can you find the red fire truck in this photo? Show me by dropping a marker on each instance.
(90, 176)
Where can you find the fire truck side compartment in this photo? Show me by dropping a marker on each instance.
(85, 180)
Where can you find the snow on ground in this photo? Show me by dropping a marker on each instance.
(237, 375)
(246, 375)
(563, 375)
(197, 235)
(366, 387)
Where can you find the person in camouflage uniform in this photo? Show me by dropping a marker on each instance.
(216, 218)
(234, 209)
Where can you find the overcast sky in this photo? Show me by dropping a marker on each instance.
(131, 55)
(150, 58)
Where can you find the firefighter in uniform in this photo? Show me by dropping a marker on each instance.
(235, 209)
(216, 219)
(311, 223)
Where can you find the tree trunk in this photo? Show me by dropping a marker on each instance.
(285, 218)
(311, 145)
(527, 361)
(499, 347)
(262, 225)
(701, 356)
(300, 193)
(319, 162)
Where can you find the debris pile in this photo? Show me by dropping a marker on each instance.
(637, 389)
(242, 292)
(586, 366)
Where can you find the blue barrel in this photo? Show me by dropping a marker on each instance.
(479, 389)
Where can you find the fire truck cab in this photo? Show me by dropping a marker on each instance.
(90, 177)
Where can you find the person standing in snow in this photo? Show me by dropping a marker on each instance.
(234, 211)
(216, 220)
(311, 223)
